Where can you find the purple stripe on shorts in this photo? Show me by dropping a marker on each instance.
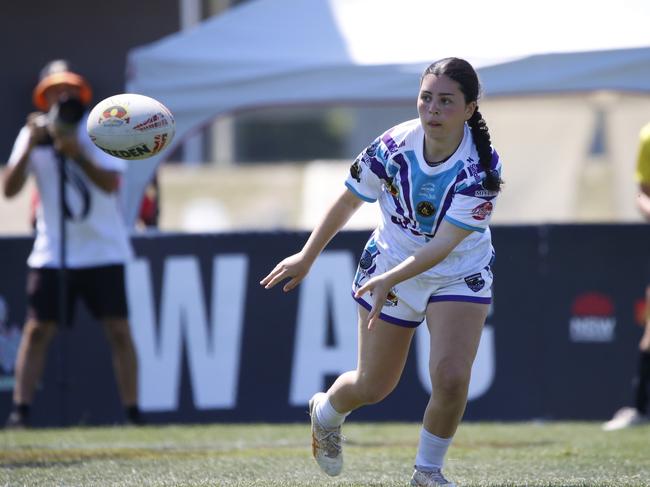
(386, 318)
(458, 297)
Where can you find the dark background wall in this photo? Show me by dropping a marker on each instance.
(94, 36)
(211, 340)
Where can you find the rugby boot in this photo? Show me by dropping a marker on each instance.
(325, 442)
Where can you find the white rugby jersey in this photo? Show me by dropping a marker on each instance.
(415, 197)
(96, 233)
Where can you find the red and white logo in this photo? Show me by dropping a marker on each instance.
(593, 318)
(482, 211)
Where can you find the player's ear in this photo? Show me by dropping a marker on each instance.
(470, 108)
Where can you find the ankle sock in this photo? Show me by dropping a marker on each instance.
(431, 451)
(327, 416)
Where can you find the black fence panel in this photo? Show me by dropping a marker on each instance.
(213, 345)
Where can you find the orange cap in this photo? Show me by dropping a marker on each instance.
(61, 78)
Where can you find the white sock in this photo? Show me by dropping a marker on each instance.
(327, 416)
(431, 450)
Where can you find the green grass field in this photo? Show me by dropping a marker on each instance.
(483, 454)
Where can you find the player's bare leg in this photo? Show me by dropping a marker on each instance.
(455, 331)
(381, 359)
(382, 355)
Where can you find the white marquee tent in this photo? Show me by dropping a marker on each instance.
(299, 52)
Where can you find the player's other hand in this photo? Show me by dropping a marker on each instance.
(379, 287)
(294, 267)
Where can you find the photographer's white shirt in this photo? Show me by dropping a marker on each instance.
(96, 233)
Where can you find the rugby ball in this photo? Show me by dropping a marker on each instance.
(131, 126)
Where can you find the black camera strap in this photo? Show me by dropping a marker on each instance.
(62, 364)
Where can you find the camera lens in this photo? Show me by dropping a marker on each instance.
(68, 111)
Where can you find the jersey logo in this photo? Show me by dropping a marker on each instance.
(425, 209)
(391, 298)
(369, 154)
(482, 211)
(355, 171)
(367, 259)
(485, 193)
(427, 190)
(475, 282)
(372, 149)
(474, 169)
(390, 187)
(367, 264)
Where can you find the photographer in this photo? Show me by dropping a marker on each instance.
(53, 145)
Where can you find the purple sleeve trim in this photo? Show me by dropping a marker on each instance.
(457, 297)
(389, 319)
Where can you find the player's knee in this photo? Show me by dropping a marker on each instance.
(450, 379)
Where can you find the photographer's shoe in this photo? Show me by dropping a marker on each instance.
(325, 443)
(625, 418)
(16, 421)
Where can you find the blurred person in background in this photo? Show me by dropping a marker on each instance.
(54, 142)
(149, 213)
(638, 414)
(436, 179)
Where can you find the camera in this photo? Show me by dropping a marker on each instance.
(66, 113)
(63, 117)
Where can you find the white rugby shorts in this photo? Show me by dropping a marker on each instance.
(407, 302)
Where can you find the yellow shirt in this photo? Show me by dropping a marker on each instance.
(643, 158)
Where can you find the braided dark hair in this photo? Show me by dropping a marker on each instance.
(464, 74)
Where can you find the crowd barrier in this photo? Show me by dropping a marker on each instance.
(214, 346)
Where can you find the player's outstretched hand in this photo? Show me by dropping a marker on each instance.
(379, 288)
(294, 267)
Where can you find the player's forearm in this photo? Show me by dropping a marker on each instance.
(429, 255)
(15, 176)
(337, 216)
(423, 260)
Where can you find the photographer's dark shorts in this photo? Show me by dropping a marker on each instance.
(102, 289)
